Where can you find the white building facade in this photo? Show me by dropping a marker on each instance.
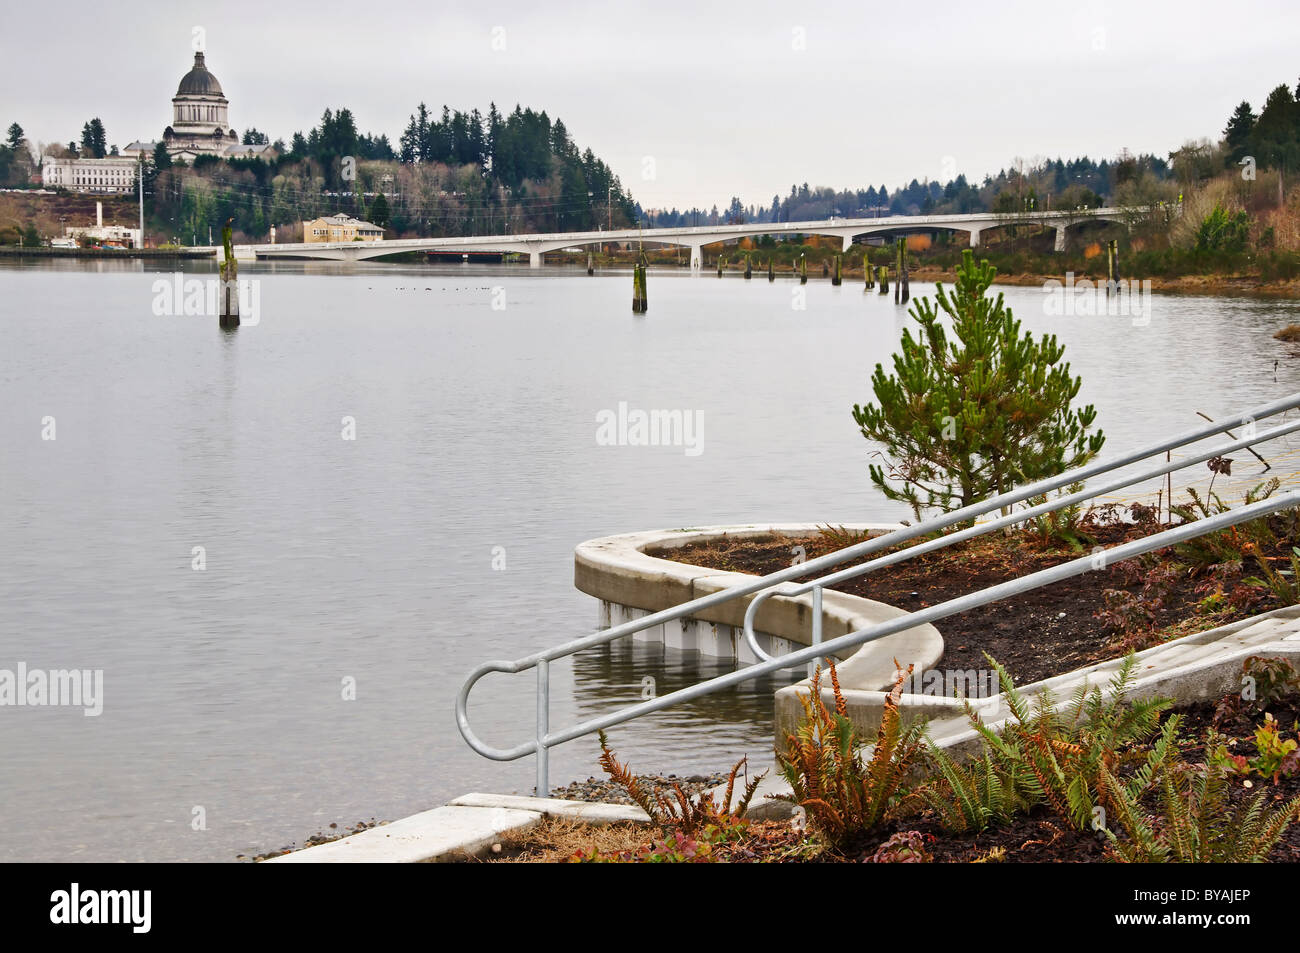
(110, 174)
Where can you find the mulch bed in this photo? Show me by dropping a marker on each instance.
(1045, 632)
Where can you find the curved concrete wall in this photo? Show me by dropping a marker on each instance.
(631, 583)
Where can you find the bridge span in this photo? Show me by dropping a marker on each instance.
(695, 238)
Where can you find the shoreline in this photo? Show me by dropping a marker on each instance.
(1183, 284)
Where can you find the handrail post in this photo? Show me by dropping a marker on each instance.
(543, 726)
(816, 626)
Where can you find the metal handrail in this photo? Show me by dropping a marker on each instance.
(949, 539)
(544, 739)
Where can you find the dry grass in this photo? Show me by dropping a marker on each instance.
(1289, 333)
(76, 208)
(1198, 203)
(556, 839)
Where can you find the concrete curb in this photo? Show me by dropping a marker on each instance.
(443, 834)
(465, 828)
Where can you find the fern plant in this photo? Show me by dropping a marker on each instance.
(1285, 589)
(1055, 758)
(1196, 822)
(681, 813)
(969, 796)
(1230, 545)
(842, 791)
(1065, 525)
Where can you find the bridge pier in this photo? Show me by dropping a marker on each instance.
(697, 257)
(534, 259)
(974, 237)
(1059, 244)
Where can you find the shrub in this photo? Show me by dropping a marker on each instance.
(966, 417)
(1222, 230)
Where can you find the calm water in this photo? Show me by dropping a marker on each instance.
(372, 559)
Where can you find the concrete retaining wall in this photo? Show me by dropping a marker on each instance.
(632, 583)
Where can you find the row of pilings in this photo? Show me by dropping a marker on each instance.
(876, 276)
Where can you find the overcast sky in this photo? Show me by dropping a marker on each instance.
(689, 102)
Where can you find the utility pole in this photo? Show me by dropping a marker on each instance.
(609, 201)
(141, 183)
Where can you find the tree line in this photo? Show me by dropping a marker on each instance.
(1058, 183)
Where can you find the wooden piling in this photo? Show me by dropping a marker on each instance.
(898, 269)
(866, 272)
(902, 275)
(803, 270)
(229, 308)
(884, 279)
(771, 275)
(838, 277)
(591, 264)
(749, 268)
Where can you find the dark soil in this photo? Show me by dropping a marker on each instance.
(1039, 837)
(1045, 632)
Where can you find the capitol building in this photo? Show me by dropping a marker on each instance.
(200, 116)
(200, 122)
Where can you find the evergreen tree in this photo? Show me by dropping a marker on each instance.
(15, 136)
(964, 419)
(1274, 135)
(379, 214)
(94, 141)
(1236, 135)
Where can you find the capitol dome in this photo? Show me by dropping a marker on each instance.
(200, 116)
(198, 81)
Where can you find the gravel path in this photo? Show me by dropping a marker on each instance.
(602, 789)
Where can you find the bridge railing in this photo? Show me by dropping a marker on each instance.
(544, 738)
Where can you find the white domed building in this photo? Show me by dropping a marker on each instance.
(200, 123)
(200, 117)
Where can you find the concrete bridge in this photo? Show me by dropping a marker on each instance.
(695, 238)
